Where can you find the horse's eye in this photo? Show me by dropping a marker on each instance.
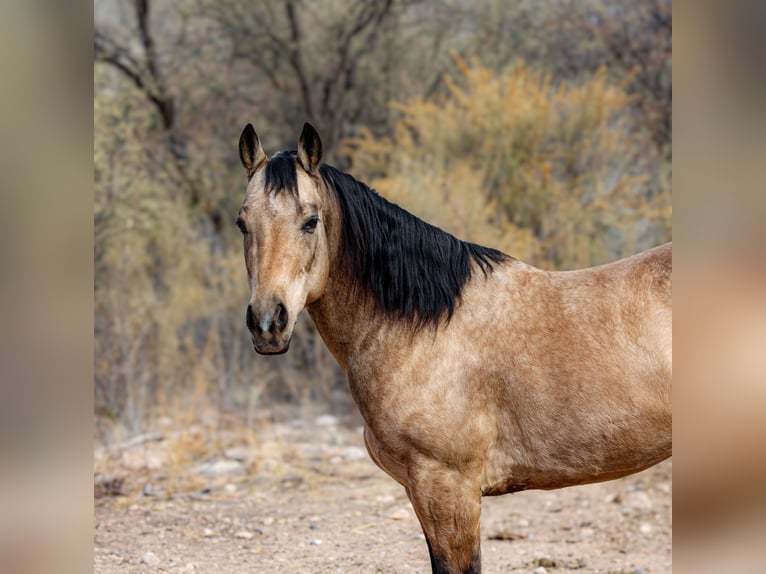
(310, 225)
(241, 225)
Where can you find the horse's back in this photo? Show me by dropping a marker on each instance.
(660, 264)
(652, 273)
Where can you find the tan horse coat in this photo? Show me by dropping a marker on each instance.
(539, 380)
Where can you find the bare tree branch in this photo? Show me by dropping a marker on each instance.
(296, 60)
(145, 74)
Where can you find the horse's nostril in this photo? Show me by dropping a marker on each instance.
(249, 318)
(281, 316)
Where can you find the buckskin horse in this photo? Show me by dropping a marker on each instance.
(476, 374)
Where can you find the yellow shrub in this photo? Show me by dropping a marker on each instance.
(555, 175)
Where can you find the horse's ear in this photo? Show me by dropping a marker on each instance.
(251, 153)
(309, 148)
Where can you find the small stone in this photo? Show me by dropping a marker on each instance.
(269, 520)
(576, 564)
(587, 532)
(230, 488)
(238, 453)
(326, 421)
(638, 500)
(401, 514)
(150, 559)
(151, 457)
(645, 529)
(149, 490)
(504, 535)
(219, 467)
(107, 485)
(207, 533)
(316, 542)
(190, 567)
(354, 453)
(246, 534)
(540, 570)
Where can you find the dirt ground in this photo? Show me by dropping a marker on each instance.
(299, 498)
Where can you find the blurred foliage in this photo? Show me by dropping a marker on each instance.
(539, 127)
(555, 175)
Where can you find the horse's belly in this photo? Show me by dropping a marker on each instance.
(547, 465)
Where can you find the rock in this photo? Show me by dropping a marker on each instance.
(354, 453)
(504, 535)
(587, 532)
(107, 485)
(151, 457)
(149, 490)
(540, 570)
(326, 421)
(401, 514)
(150, 559)
(238, 453)
(219, 468)
(316, 542)
(244, 534)
(576, 563)
(230, 488)
(638, 500)
(141, 439)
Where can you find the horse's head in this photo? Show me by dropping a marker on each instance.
(284, 236)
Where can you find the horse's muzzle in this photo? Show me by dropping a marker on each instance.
(268, 328)
(271, 350)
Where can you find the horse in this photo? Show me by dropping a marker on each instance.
(476, 374)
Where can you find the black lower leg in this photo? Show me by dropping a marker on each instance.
(440, 564)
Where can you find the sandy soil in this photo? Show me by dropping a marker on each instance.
(304, 500)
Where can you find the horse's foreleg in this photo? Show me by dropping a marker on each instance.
(448, 507)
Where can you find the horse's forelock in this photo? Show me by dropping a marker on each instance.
(281, 175)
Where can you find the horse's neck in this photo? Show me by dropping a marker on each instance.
(341, 316)
(338, 320)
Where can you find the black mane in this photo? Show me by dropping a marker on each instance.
(413, 270)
